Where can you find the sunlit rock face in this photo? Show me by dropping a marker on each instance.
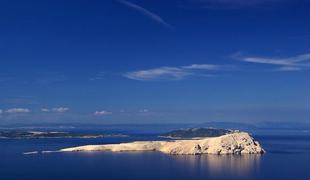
(235, 143)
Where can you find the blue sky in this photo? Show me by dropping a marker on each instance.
(182, 61)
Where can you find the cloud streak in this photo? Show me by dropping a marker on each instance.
(161, 73)
(102, 113)
(147, 13)
(56, 109)
(173, 73)
(295, 63)
(18, 110)
(143, 110)
(202, 67)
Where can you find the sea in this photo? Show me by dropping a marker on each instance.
(287, 157)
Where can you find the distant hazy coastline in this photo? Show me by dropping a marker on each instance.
(18, 134)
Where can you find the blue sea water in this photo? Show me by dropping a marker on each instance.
(287, 157)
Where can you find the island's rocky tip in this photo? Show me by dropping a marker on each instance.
(232, 143)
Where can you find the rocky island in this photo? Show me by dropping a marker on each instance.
(232, 143)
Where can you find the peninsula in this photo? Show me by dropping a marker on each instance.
(18, 134)
(232, 143)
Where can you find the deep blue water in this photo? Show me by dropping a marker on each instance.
(287, 157)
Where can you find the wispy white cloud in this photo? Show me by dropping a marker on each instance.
(1, 111)
(266, 61)
(295, 63)
(18, 110)
(143, 110)
(202, 67)
(162, 73)
(279, 61)
(147, 13)
(102, 113)
(56, 109)
(174, 73)
(60, 109)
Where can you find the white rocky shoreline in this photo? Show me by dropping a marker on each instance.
(234, 143)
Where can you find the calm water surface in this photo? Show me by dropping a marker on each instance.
(288, 157)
